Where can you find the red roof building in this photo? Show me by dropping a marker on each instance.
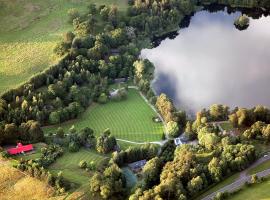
(20, 149)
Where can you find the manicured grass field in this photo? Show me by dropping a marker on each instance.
(130, 119)
(218, 186)
(68, 164)
(258, 191)
(29, 30)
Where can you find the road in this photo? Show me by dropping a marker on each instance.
(243, 178)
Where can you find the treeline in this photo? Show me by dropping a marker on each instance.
(26, 132)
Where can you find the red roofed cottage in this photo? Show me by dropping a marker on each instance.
(20, 149)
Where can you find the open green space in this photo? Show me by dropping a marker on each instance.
(29, 30)
(227, 126)
(263, 166)
(218, 186)
(130, 119)
(68, 164)
(258, 191)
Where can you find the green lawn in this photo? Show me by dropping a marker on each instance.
(29, 30)
(218, 186)
(263, 166)
(68, 164)
(129, 119)
(256, 192)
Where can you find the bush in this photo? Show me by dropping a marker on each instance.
(83, 164)
(103, 98)
(73, 147)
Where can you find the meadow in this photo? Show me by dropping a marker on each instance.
(68, 164)
(29, 30)
(130, 119)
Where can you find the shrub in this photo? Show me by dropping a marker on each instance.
(73, 147)
(83, 164)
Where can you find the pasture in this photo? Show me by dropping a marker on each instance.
(130, 119)
(29, 30)
(68, 164)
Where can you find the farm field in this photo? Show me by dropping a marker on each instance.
(68, 164)
(258, 191)
(29, 30)
(130, 119)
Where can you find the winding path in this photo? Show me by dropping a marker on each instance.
(243, 178)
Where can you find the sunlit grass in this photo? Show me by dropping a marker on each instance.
(29, 30)
(130, 119)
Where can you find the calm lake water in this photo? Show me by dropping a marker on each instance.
(213, 62)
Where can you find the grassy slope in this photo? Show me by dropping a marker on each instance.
(259, 192)
(29, 30)
(130, 119)
(68, 164)
(16, 185)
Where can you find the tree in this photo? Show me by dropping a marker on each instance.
(103, 98)
(60, 132)
(105, 142)
(195, 185)
(242, 22)
(151, 172)
(83, 164)
(54, 117)
(72, 14)
(165, 107)
(172, 129)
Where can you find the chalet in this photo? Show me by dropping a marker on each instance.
(137, 166)
(20, 149)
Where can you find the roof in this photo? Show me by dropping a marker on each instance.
(138, 164)
(177, 141)
(20, 148)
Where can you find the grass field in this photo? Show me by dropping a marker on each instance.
(130, 119)
(258, 191)
(29, 30)
(265, 165)
(68, 164)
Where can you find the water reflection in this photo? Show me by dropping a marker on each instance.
(213, 62)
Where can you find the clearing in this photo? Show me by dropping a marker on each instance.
(130, 119)
(69, 165)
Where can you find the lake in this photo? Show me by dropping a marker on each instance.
(211, 61)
